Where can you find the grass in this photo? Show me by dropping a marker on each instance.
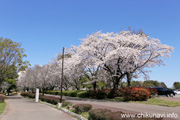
(85, 115)
(161, 102)
(2, 107)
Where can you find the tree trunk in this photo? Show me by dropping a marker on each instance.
(32, 90)
(129, 77)
(116, 83)
(43, 91)
(94, 86)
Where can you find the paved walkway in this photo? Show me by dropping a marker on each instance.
(126, 107)
(19, 108)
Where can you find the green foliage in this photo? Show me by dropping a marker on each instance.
(80, 108)
(136, 83)
(105, 114)
(49, 99)
(65, 103)
(2, 97)
(176, 85)
(27, 94)
(11, 59)
(2, 107)
(128, 93)
(161, 102)
(100, 84)
(84, 94)
(147, 84)
(84, 80)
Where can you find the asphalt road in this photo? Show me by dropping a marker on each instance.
(177, 96)
(19, 108)
(135, 107)
(128, 107)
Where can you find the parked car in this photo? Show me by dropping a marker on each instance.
(165, 91)
(177, 92)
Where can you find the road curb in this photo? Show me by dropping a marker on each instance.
(66, 111)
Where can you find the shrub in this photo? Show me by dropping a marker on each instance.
(49, 99)
(72, 93)
(104, 114)
(65, 103)
(153, 92)
(80, 108)
(98, 114)
(115, 93)
(52, 92)
(101, 94)
(84, 94)
(2, 97)
(26, 94)
(135, 94)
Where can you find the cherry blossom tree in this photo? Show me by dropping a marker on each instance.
(105, 57)
(123, 54)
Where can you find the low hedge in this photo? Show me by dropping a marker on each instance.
(71, 93)
(128, 93)
(27, 94)
(65, 103)
(104, 114)
(2, 97)
(49, 99)
(153, 92)
(84, 94)
(80, 108)
(100, 94)
(135, 94)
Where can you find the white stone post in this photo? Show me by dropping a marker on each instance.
(37, 95)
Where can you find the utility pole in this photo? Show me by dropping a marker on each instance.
(62, 76)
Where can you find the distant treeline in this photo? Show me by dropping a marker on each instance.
(148, 83)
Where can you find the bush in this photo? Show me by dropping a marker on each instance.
(49, 99)
(2, 97)
(98, 114)
(115, 93)
(153, 92)
(104, 114)
(135, 94)
(66, 104)
(84, 94)
(52, 92)
(80, 108)
(27, 94)
(72, 93)
(99, 94)
(131, 93)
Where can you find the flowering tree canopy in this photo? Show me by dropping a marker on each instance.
(106, 57)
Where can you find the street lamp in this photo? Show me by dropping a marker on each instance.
(60, 100)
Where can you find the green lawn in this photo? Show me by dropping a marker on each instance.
(2, 107)
(85, 114)
(161, 102)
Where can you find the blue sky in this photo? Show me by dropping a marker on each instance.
(45, 26)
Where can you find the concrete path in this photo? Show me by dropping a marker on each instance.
(126, 107)
(19, 108)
